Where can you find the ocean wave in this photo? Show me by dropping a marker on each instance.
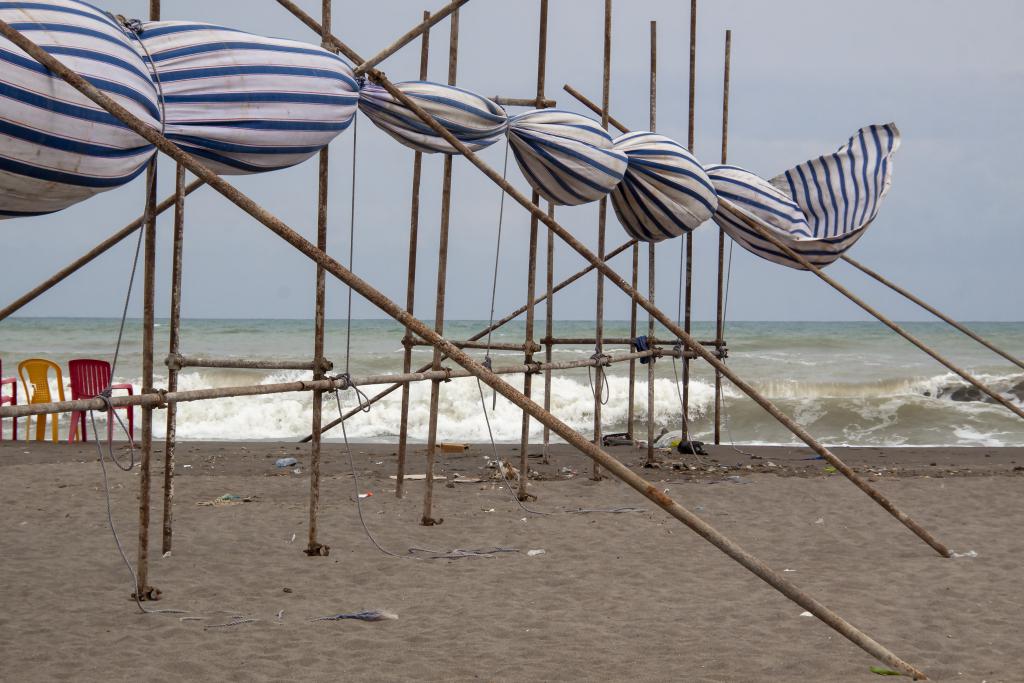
(888, 412)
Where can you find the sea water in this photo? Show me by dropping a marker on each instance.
(848, 383)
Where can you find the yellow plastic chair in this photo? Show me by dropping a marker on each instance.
(38, 372)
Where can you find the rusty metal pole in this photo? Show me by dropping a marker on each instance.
(410, 288)
(171, 429)
(688, 237)
(549, 326)
(602, 217)
(91, 255)
(634, 282)
(531, 270)
(143, 590)
(720, 307)
(313, 546)
(395, 311)
(934, 311)
(442, 274)
(653, 108)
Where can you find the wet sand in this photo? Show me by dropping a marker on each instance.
(631, 594)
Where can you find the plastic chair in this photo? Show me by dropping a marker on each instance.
(12, 400)
(88, 378)
(38, 377)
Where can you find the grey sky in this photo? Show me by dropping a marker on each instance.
(805, 75)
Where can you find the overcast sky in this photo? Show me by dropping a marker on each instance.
(805, 75)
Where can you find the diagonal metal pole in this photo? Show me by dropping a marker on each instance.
(934, 311)
(92, 254)
(374, 296)
(747, 389)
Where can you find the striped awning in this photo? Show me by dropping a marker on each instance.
(818, 209)
(473, 119)
(245, 103)
(57, 147)
(566, 157)
(665, 191)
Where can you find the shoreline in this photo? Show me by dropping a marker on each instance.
(626, 595)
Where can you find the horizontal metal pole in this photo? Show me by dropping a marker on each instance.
(91, 255)
(160, 399)
(181, 361)
(474, 344)
(587, 341)
(523, 102)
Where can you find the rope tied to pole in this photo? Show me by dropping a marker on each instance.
(601, 361)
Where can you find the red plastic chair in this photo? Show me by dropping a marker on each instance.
(88, 378)
(12, 400)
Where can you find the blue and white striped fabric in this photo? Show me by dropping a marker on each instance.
(819, 209)
(475, 120)
(566, 157)
(57, 147)
(665, 191)
(245, 103)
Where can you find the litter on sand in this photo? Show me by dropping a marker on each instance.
(285, 462)
(365, 615)
(418, 477)
(535, 552)
(806, 614)
(969, 553)
(882, 671)
(227, 499)
(454, 447)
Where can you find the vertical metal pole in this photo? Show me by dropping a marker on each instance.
(602, 217)
(442, 273)
(634, 282)
(650, 253)
(689, 235)
(549, 326)
(171, 430)
(314, 548)
(720, 312)
(531, 277)
(410, 290)
(142, 589)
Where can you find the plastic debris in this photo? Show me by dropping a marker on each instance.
(882, 671)
(536, 552)
(286, 462)
(969, 553)
(368, 494)
(806, 614)
(365, 615)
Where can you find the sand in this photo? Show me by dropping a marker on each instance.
(612, 597)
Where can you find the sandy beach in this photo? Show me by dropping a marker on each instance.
(632, 594)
